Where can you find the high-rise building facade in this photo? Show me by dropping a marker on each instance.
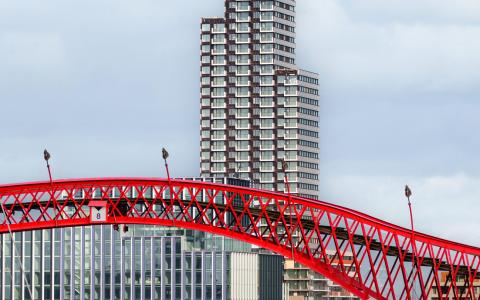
(257, 107)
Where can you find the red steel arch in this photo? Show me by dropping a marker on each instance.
(369, 257)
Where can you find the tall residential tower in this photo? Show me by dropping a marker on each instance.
(257, 107)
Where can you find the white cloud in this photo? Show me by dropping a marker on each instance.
(444, 206)
(32, 52)
(396, 56)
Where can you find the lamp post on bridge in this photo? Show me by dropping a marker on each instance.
(165, 156)
(287, 184)
(415, 264)
(46, 157)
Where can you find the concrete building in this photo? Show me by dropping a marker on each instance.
(257, 107)
(305, 284)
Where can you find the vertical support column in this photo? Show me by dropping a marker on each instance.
(102, 262)
(12, 276)
(82, 264)
(122, 269)
(224, 274)
(173, 267)
(214, 273)
(194, 277)
(112, 263)
(42, 264)
(92, 262)
(62, 263)
(2, 268)
(22, 270)
(53, 236)
(132, 268)
(204, 275)
(142, 266)
(182, 275)
(72, 263)
(162, 268)
(152, 268)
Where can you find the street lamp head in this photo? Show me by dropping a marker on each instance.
(46, 155)
(284, 165)
(164, 153)
(408, 192)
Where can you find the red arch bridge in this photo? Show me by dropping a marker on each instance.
(369, 257)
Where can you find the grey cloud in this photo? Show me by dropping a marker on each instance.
(105, 84)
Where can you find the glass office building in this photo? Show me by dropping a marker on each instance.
(146, 262)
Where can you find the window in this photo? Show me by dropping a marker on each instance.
(218, 59)
(242, 134)
(218, 113)
(205, 38)
(205, 59)
(218, 124)
(242, 102)
(242, 80)
(266, 145)
(266, 69)
(218, 167)
(266, 123)
(205, 144)
(205, 48)
(242, 145)
(266, 155)
(206, 123)
(266, 91)
(218, 134)
(205, 112)
(242, 91)
(266, 16)
(205, 91)
(241, 112)
(266, 80)
(218, 103)
(218, 145)
(218, 156)
(266, 166)
(218, 27)
(242, 155)
(266, 37)
(243, 27)
(218, 92)
(266, 101)
(266, 5)
(266, 112)
(266, 26)
(242, 70)
(242, 38)
(266, 48)
(243, 16)
(242, 48)
(205, 70)
(243, 6)
(242, 124)
(218, 49)
(243, 59)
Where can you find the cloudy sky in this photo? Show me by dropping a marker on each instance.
(105, 84)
